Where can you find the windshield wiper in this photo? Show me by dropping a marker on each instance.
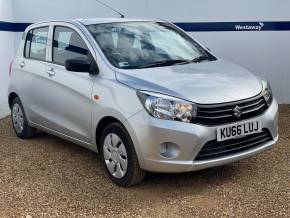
(200, 58)
(171, 62)
(165, 63)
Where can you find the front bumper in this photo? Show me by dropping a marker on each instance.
(149, 133)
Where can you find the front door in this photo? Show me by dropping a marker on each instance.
(69, 94)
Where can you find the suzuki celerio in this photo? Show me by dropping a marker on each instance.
(142, 93)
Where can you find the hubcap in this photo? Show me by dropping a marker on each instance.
(115, 155)
(17, 118)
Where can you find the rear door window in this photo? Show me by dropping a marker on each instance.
(36, 44)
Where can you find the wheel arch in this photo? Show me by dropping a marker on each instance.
(112, 119)
(105, 121)
(11, 97)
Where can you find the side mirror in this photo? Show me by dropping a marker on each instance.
(78, 65)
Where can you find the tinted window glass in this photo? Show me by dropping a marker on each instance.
(67, 44)
(38, 43)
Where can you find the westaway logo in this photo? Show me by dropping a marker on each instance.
(257, 27)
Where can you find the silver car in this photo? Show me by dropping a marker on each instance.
(142, 93)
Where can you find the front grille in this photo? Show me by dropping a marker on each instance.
(219, 114)
(214, 149)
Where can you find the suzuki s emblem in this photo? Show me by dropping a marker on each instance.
(237, 112)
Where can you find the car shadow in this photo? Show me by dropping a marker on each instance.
(157, 181)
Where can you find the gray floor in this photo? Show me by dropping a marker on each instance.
(4, 110)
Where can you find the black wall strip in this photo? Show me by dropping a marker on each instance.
(13, 27)
(235, 26)
(193, 26)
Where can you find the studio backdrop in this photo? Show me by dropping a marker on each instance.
(252, 33)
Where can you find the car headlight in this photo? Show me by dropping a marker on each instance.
(167, 107)
(267, 93)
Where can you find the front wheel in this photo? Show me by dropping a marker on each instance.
(119, 156)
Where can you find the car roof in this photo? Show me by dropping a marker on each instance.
(88, 21)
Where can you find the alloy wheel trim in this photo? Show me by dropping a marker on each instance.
(17, 118)
(115, 155)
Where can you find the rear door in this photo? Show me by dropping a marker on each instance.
(32, 71)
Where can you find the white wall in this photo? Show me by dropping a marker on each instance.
(265, 53)
(6, 49)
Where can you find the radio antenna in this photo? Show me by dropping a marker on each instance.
(107, 6)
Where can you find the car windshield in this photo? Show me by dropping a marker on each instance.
(132, 45)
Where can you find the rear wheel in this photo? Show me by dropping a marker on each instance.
(119, 156)
(19, 120)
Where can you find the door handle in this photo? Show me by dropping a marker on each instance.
(22, 64)
(51, 72)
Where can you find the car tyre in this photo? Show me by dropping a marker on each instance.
(117, 149)
(19, 120)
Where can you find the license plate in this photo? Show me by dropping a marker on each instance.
(238, 130)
